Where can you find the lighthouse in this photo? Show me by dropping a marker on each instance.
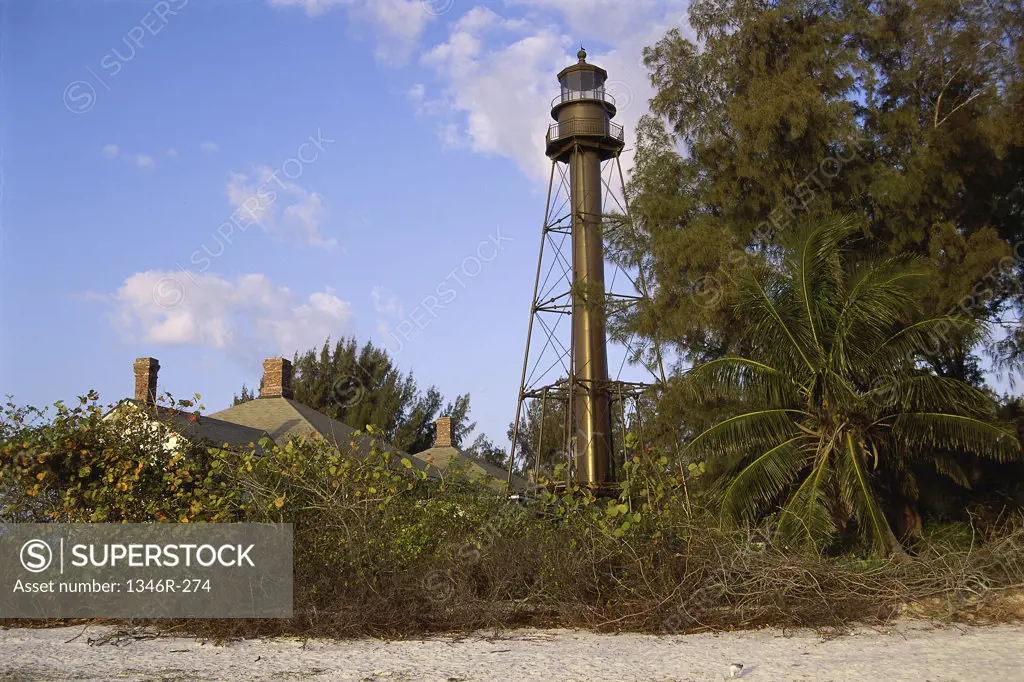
(582, 138)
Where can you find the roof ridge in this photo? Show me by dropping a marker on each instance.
(166, 410)
(295, 405)
(300, 409)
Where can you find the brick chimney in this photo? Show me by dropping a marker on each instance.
(277, 378)
(443, 434)
(146, 370)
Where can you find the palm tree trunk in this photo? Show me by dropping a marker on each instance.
(910, 527)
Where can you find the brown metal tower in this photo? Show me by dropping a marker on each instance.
(579, 143)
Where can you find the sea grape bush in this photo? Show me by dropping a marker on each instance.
(381, 548)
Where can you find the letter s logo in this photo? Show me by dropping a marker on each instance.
(36, 556)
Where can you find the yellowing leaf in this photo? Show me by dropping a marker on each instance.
(279, 502)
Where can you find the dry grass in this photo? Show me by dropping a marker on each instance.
(544, 575)
(434, 556)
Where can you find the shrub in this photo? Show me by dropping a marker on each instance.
(382, 549)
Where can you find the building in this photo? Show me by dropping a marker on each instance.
(142, 411)
(278, 416)
(443, 455)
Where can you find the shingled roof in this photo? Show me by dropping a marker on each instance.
(200, 428)
(277, 415)
(444, 455)
(284, 419)
(441, 458)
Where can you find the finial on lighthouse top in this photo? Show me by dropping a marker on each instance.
(582, 54)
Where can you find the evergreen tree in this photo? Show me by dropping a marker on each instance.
(246, 395)
(483, 449)
(908, 113)
(360, 386)
(552, 448)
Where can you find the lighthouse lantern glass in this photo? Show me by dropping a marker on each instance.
(582, 85)
(571, 82)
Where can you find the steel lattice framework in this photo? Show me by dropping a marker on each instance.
(549, 373)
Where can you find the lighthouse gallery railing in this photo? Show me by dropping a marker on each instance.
(575, 95)
(585, 126)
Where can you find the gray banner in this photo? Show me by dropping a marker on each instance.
(141, 570)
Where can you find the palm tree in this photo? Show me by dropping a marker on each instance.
(833, 412)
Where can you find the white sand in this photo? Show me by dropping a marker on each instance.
(909, 651)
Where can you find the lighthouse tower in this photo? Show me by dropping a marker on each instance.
(579, 143)
(582, 137)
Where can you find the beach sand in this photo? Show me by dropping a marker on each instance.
(908, 651)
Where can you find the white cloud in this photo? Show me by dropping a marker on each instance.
(451, 137)
(498, 73)
(425, 106)
(612, 21)
(384, 329)
(388, 307)
(478, 18)
(385, 302)
(279, 206)
(314, 8)
(496, 95)
(250, 316)
(112, 151)
(398, 24)
(208, 146)
(402, 22)
(172, 152)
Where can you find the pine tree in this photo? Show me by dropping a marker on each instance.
(907, 113)
(360, 386)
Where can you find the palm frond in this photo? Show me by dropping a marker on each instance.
(878, 299)
(836, 388)
(744, 433)
(834, 365)
(956, 432)
(806, 520)
(855, 490)
(927, 392)
(908, 486)
(742, 380)
(946, 465)
(773, 320)
(763, 479)
(813, 264)
(922, 338)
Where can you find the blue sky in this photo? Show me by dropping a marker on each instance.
(365, 149)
